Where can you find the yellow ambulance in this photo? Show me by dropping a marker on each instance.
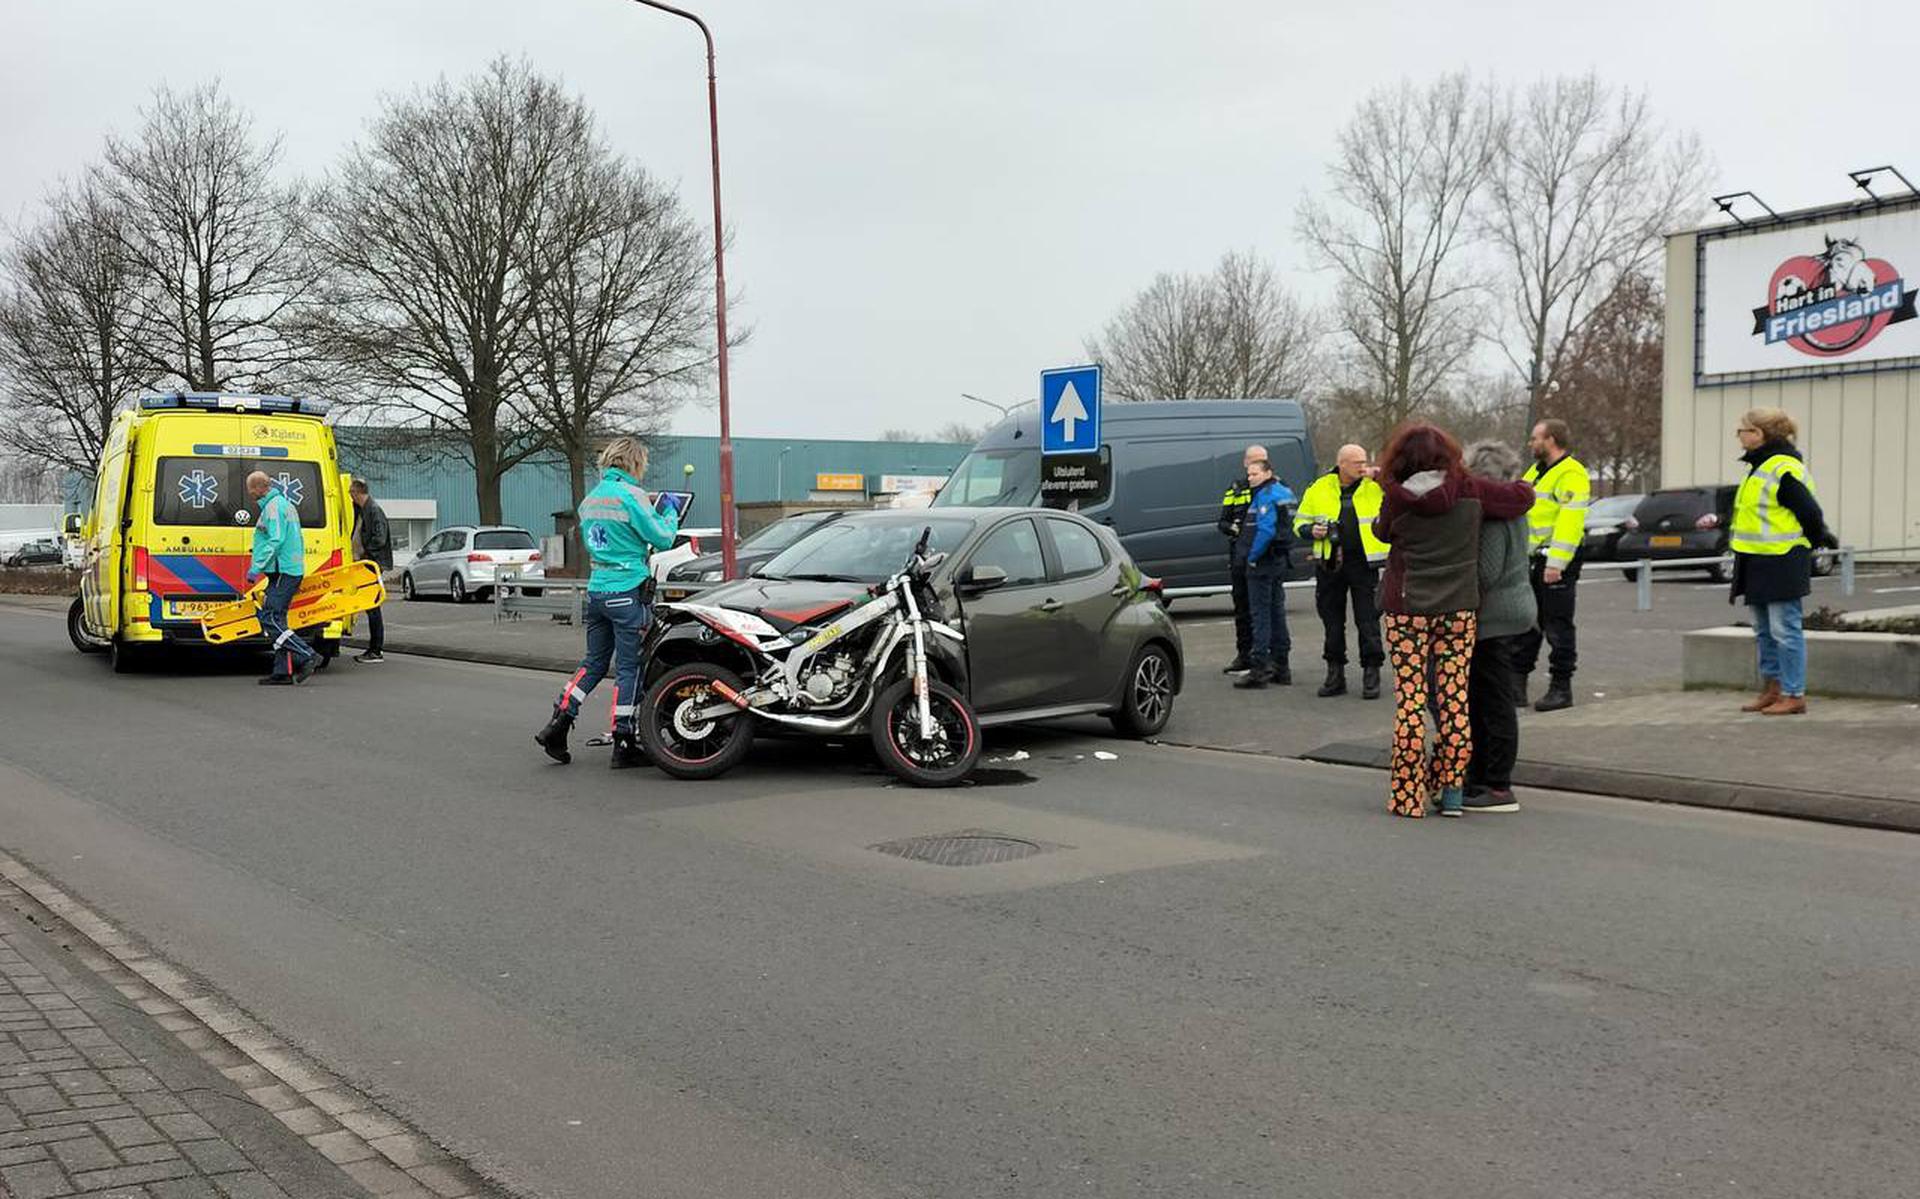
(170, 536)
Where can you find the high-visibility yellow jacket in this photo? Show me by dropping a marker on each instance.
(1321, 505)
(1761, 523)
(1557, 523)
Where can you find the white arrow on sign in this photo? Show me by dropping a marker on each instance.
(1069, 411)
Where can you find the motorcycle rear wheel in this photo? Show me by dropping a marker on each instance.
(944, 761)
(685, 749)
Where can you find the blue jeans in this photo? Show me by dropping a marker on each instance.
(615, 622)
(1782, 646)
(286, 644)
(1267, 612)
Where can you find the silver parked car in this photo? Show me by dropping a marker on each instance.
(462, 561)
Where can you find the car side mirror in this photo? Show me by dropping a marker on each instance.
(72, 525)
(982, 577)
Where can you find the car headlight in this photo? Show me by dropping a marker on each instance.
(711, 576)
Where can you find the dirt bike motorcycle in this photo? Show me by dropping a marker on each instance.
(837, 666)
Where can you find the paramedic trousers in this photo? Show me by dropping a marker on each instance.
(286, 644)
(616, 620)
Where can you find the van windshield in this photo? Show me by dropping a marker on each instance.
(211, 492)
(993, 479)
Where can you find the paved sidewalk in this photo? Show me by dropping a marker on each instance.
(110, 1089)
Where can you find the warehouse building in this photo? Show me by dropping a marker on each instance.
(1812, 312)
(422, 487)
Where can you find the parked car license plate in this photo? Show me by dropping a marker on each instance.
(1665, 543)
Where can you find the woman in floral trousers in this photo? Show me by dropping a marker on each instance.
(1429, 593)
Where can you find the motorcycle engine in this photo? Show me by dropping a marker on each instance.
(831, 680)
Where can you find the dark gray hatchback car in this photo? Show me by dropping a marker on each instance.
(1058, 619)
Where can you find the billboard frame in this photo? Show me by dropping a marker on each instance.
(1774, 224)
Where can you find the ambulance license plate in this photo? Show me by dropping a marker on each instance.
(1664, 543)
(193, 609)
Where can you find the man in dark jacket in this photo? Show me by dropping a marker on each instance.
(1233, 512)
(372, 542)
(1266, 536)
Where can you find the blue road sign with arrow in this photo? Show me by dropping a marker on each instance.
(1070, 410)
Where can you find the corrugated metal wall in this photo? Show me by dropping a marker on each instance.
(533, 491)
(1860, 433)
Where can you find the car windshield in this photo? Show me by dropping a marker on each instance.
(993, 479)
(503, 539)
(783, 533)
(862, 551)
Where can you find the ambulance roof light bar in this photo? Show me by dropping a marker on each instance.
(1725, 204)
(1863, 179)
(213, 401)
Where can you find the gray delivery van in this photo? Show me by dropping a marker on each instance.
(1165, 463)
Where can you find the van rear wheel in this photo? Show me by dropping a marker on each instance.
(82, 640)
(124, 658)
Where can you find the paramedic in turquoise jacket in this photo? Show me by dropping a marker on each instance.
(620, 528)
(280, 557)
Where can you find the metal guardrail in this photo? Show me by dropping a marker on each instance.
(557, 599)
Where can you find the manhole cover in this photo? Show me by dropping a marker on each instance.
(968, 847)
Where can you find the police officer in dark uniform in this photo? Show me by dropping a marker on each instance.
(1233, 511)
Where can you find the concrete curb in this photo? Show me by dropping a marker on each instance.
(1863, 811)
(484, 657)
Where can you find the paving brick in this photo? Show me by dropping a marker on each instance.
(80, 1115)
(129, 1131)
(157, 1103)
(250, 1076)
(337, 1101)
(108, 1057)
(183, 1188)
(24, 1153)
(378, 1177)
(135, 1155)
(104, 1099)
(42, 1136)
(85, 1153)
(251, 1185)
(275, 1098)
(87, 1038)
(407, 1151)
(372, 1125)
(127, 1176)
(31, 1099)
(131, 1080)
(74, 1018)
(342, 1146)
(177, 1021)
(214, 1157)
(449, 1180)
(35, 1180)
(81, 1082)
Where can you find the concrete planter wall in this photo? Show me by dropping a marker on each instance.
(1873, 665)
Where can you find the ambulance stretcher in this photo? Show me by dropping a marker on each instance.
(326, 596)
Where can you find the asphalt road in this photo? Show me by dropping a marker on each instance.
(1230, 975)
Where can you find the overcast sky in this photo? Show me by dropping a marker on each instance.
(931, 196)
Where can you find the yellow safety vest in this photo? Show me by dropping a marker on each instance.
(1557, 522)
(1321, 505)
(1761, 523)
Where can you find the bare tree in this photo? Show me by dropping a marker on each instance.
(1584, 184)
(1236, 333)
(217, 239)
(1609, 384)
(428, 229)
(28, 479)
(621, 317)
(1403, 180)
(70, 304)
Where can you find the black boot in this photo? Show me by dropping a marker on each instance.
(627, 752)
(553, 738)
(1369, 682)
(1237, 666)
(1336, 683)
(1559, 695)
(1281, 675)
(1254, 680)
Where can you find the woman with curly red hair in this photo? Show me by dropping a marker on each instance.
(1429, 593)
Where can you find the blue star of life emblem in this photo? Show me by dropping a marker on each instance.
(290, 487)
(199, 490)
(597, 537)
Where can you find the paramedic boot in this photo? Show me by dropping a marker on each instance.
(1559, 695)
(626, 751)
(553, 738)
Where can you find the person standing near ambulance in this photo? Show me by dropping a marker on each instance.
(1555, 528)
(1336, 514)
(620, 528)
(280, 557)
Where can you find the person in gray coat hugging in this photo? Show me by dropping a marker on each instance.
(1506, 614)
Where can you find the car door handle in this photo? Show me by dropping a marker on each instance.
(1049, 605)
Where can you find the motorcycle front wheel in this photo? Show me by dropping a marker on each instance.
(683, 743)
(942, 760)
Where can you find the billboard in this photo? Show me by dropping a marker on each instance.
(1820, 296)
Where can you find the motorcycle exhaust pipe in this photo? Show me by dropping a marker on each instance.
(818, 724)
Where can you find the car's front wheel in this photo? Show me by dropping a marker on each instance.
(1147, 704)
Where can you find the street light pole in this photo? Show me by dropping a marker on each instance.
(719, 292)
